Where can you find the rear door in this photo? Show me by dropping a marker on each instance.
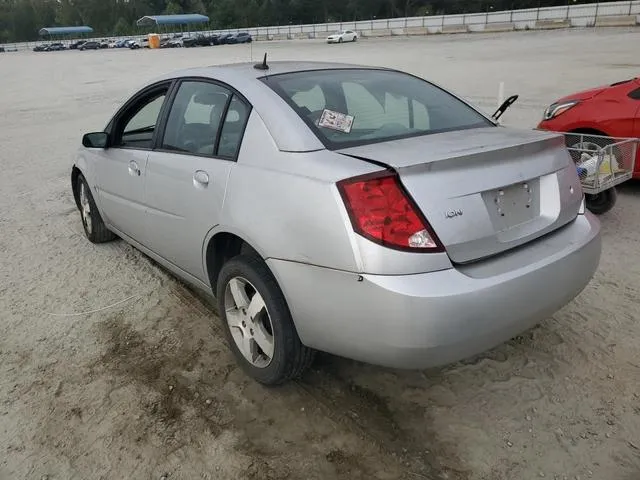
(121, 169)
(187, 174)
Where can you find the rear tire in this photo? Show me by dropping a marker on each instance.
(94, 228)
(242, 280)
(602, 202)
(340, 40)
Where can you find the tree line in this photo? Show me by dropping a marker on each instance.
(20, 20)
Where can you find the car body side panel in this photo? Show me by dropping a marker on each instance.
(196, 282)
(121, 189)
(83, 162)
(311, 224)
(180, 211)
(308, 223)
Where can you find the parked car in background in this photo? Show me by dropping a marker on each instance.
(343, 36)
(55, 47)
(199, 40)
(140, 43)
(77, 44)
(241, 37)
(609, 110)
(223, 38)
(89, 46)
(2, 50)
(421, 231)
(104, 43)
(41, 48)
(122, 43)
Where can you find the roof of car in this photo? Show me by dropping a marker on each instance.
(246, 69)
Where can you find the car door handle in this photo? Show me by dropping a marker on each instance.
(200, 179)
(134, 169)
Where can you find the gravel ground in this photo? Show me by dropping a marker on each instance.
(148, 389)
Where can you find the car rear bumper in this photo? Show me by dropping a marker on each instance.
(431, 319)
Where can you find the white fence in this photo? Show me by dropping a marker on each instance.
(583, 15)
(578, 15)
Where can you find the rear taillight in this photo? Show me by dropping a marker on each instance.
(381, 210)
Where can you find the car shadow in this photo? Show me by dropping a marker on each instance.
(630, 188)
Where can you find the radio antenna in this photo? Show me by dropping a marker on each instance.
(263, 65)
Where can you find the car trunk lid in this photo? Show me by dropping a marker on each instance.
(486, 190)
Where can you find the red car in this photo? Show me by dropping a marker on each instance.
(611, 110)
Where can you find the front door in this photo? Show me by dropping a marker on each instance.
(187, 174)
(121, 168)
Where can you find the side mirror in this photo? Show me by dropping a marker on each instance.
(96, 140)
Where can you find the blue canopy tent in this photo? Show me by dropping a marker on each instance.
(64, 31)
(167, 21)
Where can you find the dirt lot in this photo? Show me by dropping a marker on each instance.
(148, 389)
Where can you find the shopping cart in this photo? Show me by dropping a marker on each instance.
(602, 163)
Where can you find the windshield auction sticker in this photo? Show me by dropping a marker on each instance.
(336, 121)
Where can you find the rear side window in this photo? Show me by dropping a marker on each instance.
(206, 119)
(233, 128)
(635, 94)
(195, 118)
(347, 107)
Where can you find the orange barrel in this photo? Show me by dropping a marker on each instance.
(154, 40)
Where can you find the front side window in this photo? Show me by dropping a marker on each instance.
(347, 107)
(136, 127)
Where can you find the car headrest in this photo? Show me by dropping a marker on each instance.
(210, 98)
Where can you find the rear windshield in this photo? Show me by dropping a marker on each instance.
(349, 107)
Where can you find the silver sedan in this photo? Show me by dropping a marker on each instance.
(359, 211)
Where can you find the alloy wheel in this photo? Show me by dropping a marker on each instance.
(85, 208)
(249, 322)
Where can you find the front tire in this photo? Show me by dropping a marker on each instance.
(94, 228)
(602, 202)
(340, 40)
(258, 324)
